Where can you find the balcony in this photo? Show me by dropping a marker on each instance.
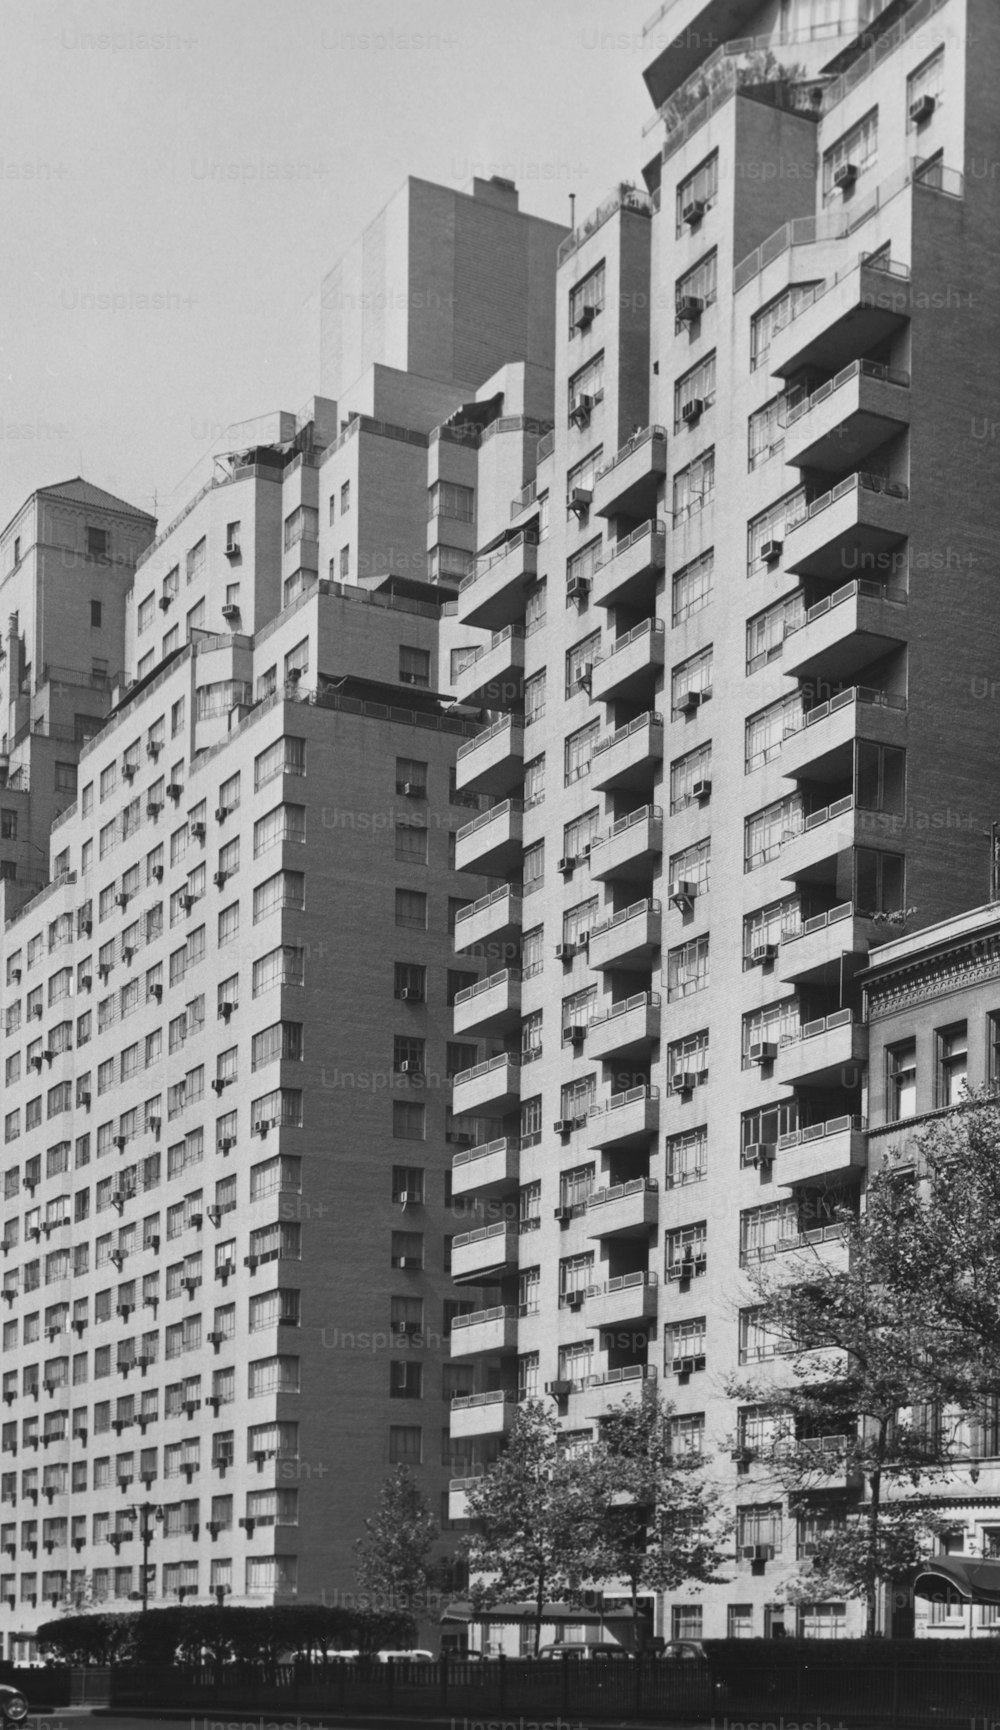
(495, 918)
(494, 677)
(493, 1330)
(822, 1150)
(819, 744)
(630, 667)
(843, 320)
(811, 847)
(629, 484)
(484, 1254)
(483, 1415)
(492, 843)
(815, 954)
(846, 631)
(630, 757)
(627, 1029)
(492, 761)
(605, 1393)
(629, 939)
(631, 1297)
(823, 1243)
(841, 424)
(823, 1050)
(628, 1119)
(824, 1464)
(625, 1210)
(524, 506)
(853, 527)
(493, 596)
(489, 1170)
(627, 573)
(491, 1005)
(488, 1089)
(630, 848)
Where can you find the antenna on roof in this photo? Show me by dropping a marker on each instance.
(572, 210)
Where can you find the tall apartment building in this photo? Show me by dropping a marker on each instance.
(227, 1109)
(737, 626)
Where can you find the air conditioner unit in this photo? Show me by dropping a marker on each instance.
(227, 1142)
(762, 1051)
(86, 928)
(563, 1126)
(575, 1034)
(693, 409)
(758, 1153)
(130, 770)
(251, 1262)
(15, 974)
(36, 1063)
(230, 612)
(688, 308)
(681, 891)
(771, 551)
(413, 790)
(154, 807)
(693, 212)
(127, 956)
(564, 951)
(153, 1125)
(157, 873)
(581, 409)
(220, 879)
(566, 864)
(408, 1261)
(221, 1082)
(187, 901)
(585, 675)
(198, 830)
(86, 982)
(688, 702)
(922, 109)
(582, 939)
(121, 900)
(580, 500)
(37, 1012)
(562, 1213)
(293, 675)
(684, 1366)
(701, 790)
(164, 602)
(156, 992)
(174, 790)
(232, 549)
(845, 175)
(761, 952)
(578, 588)
(763, 1552)
(411, 1066)
(411, 994)
(221, 813)
(121, 1142)
(575, 1300)
(84, 1100)
(682, 1081)
(153, 748)
(585, 317)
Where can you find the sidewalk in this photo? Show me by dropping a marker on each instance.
(233, 1718)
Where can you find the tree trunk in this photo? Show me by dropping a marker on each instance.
(539, 1606)
(874, 1513)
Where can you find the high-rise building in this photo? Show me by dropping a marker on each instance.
(227, 1109)
(741, 624)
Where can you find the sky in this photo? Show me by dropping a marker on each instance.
(176, 178)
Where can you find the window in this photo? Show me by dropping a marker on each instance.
(302, 524)
(691, 683)
(582, 474)
(578, 751)
(405, 1445)
(854, 154)
(878, 881)
(687, 968)
(686, 1621)
(588, 381)
(287, 756)
(764, 732)
(901, 1074)
(448, 499)
(687, 1154)
(696, 193)
(765, 831)
(282, 966)
(767, 630)
(98, 547)
(684, 1346)
(582, 565)
(533, 867)
(693, 865)
(415, 667)
(692, 770)
(410, 842)
(926, 81)
(694, 486)
(952, 1064)
(406, 1380)
(534, 697)
(411, 909)
(408, 1120)
(286, 889)
(694, 392)
(766, 432)
(879, 777)
(579, 659)
(774, 316)
(758, 1527)
(700, 282)
(739, 1621)
(772, 1024)
(586, 300)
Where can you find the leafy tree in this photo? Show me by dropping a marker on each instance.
(105, 1637)
(860, 1367)
(536, 1520)
(393, 1563)
(661, 1523)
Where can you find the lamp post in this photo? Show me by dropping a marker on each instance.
(142, 1511)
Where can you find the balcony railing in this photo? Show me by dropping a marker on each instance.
(503, 1144)
(499, 1313)
(505, 808)
(508, 725)
(497, 894)
(645, 628)
(622, 1282)
(818, 921)
(857, 369)
(859, 482)
(510, 633)
(819, 1131)
(634, 912)
(793, 1241)
(628, 1373)
(481, 1234)
(649, 719)
(652, 527)
(800, 824)
(524, 498)
(635, 1186)
(645, 814)
(860, 694)
(861, 587)
(500, 1397)
(813, 1029)
(619, 1101)
(624, 198)
(641, 1000)
(527, 538)
(630, 447)
(508, 975)
(479, 1069)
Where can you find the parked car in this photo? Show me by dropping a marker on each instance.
(599, 1650)
(415, 1655)
(13, 1705)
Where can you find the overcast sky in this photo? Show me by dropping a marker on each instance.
(176, 178)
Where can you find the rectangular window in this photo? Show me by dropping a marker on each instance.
(853, 155)
(448, 499)
(688, 773)
(879, 777)
(287, 756)
(415, 667)
(774, 316)
(696, 194)
(586, 300)
(694, 392)
(879, 882)
(585, 388)
(925, 90)
(766, 432)
(767, 630)
(411, 909)
(691, 683)
(698, 284)
(766, 831)
(901, 1080)
(694, 486)
(578, 751)
(687, 968)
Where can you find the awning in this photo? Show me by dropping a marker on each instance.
(464, 1611)
(978, 1582)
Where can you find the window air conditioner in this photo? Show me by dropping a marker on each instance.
(689, 307)
(693, 212)
(693, 408)
(762, 1051)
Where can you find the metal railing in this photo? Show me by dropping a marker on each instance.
(508, 724)
(645, 814)
(641, 1000)
(625, 198)
(818, 922)
(814, 1029)
(503, 1144)
(506, 808)
(638, 910)
(483, 1233)
(861, 587)
(491, 1064)
(506, 976)
(498, 1397)
(501, 894)
(499, 1313)
(620, 1101)
(527, 538)
(649, 720)
(622, 1282)
(618, 1191)
(856, 369)
(861, 481)
(819, 1131)
(509, 634)
(645, 628)
(653, 527)
(855, 695)
(524, 498)
(657, 434)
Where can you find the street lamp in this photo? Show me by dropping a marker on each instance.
(142, 1511)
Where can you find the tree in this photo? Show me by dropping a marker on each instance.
(393, 1560)
(536, 1522)
(661, 1523)
(848, 1410)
